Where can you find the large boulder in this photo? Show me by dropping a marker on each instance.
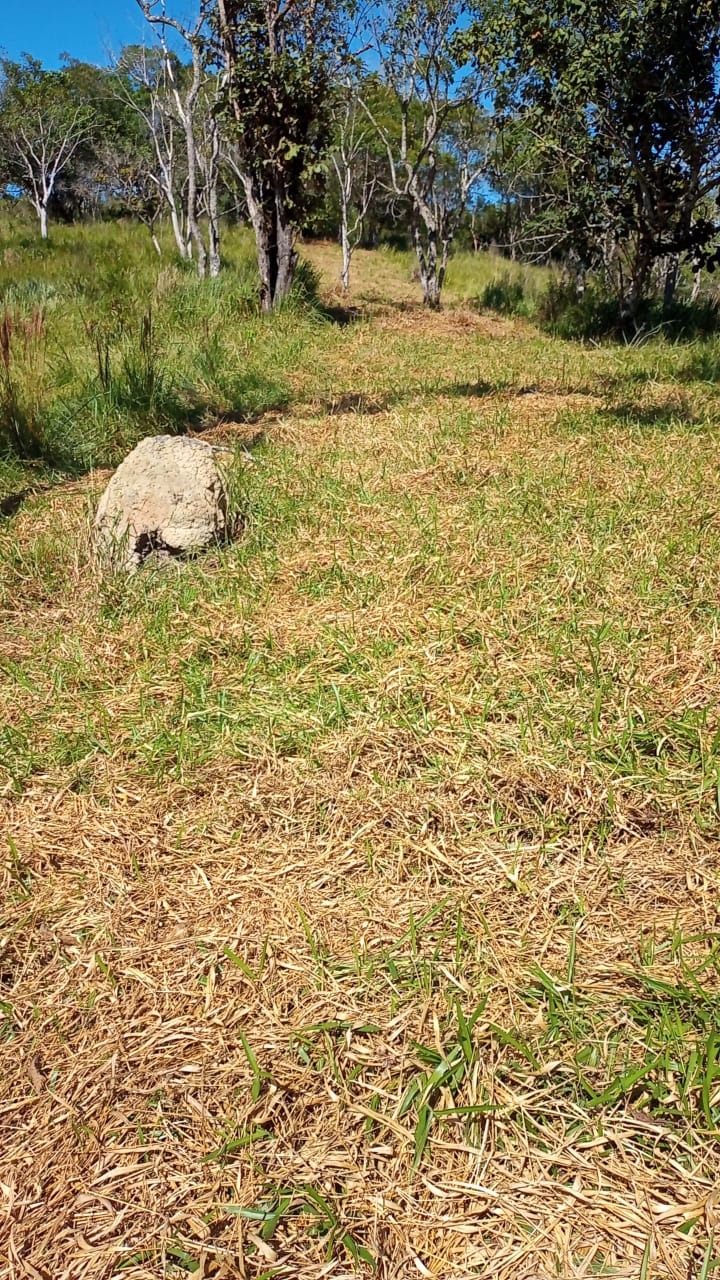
(168, 496)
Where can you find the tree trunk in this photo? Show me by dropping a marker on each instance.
(177, 229)
(274, 241)
(345, 248)
(641, 269)
(671, 275)
(287, 258)
(427, 262)
(346, 257)
(194, 233)
(212, 202)
(262, 225)
(214, 231)
(43, 214)
(445, 258)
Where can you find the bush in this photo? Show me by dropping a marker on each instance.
(595, 313)
(562, 311)
(504, 295)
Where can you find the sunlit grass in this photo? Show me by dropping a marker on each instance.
(375, 853)
(104, 342)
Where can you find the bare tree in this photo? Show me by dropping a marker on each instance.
(433, 138)
(189, 92)
(209, 160)
(356, 177)
(126, 174)
(42, 126)
(141, 78)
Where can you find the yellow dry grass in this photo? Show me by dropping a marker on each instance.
(222, 978)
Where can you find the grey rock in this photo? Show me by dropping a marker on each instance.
(168, 496)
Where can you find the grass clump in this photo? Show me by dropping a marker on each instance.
(496, 284)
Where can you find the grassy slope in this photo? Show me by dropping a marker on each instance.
(362, 878)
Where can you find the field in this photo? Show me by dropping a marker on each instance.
(360, 878)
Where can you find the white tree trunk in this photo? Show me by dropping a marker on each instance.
(177, 229)
(214, 230)
(212, 201)
(346, 251)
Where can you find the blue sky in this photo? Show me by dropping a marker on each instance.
(83, 28)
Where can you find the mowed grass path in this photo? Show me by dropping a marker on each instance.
(360, 885)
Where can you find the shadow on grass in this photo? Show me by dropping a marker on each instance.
(672, 413)
(471, 390)
(12, 502)
(366, 404)
(340, 314)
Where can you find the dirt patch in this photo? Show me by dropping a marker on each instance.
(419, 321)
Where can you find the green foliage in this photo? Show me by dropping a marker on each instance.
(562, 311)
(279, 95)
(612, 120)
(504, 295)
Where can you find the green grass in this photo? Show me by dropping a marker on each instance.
(487, 280)
(104, 343)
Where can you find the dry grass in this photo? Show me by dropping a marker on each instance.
(361, 880)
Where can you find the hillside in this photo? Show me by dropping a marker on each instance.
(360, 878)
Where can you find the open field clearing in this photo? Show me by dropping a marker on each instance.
(360, 879)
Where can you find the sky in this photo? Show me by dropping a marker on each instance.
(86, 29)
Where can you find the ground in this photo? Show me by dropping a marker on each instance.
(361, 877)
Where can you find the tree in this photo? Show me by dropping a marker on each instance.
(195, 111)
(209, 157)
(279, 57)
(126, 172)
(43, 124)
(142, 85)
(88, 183)
(622, 101)
(434, 134)
(356, 176)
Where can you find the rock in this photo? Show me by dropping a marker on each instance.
(168, 496)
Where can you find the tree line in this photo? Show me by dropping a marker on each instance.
(584, 133)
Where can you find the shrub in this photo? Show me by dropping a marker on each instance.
(562, 311)
(505, 295)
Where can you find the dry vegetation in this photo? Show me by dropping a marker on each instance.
(361, 879)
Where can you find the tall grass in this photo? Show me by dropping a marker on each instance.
(496, 283)
(102, 342)
(483, 279)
